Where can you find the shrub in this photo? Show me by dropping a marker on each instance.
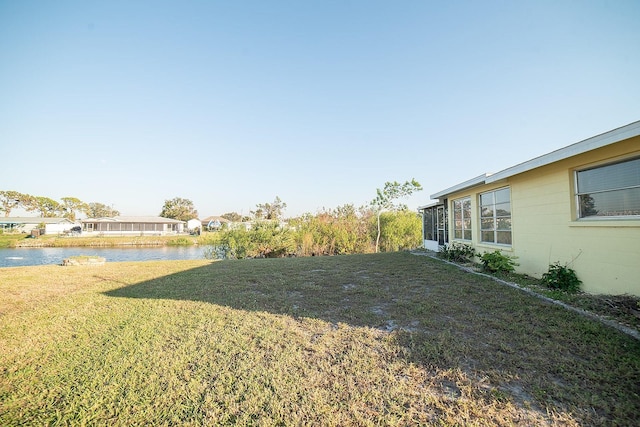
(497, 262)
(215, 252)
(344, 230)
(561, 277)
(457, 252)
(400, 230)
(180, 241)
(264, 240)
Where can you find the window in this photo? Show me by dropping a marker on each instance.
(609, 191)
(495, 216)
(462, 219)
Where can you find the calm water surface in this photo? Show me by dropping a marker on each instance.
(41, 256)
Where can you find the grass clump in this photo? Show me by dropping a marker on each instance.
(10, 240)
(181, 241)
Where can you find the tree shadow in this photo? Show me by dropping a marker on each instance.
(522, 349)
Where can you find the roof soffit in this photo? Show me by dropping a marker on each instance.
(611, 137)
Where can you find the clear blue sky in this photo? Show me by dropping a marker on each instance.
(232, 103)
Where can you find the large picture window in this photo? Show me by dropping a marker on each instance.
(462, 219)
(495, 216)
(609, 191)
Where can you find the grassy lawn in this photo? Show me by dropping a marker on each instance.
(9, 240)
(386, 339)
(54, 241)
(12, 240)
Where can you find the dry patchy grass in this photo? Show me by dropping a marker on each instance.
(389, 339)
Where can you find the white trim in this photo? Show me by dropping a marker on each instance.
(431, 245)
(616, 135)
(430, 205)
(495, 217)
(593, 143)
(479, 180)
(461, 200)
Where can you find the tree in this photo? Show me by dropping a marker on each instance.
(71, 205)
(99, 210)
(387, 197)
(272, 211)
(10, 200)
(232, 216)
(179, 208)
(48, 208)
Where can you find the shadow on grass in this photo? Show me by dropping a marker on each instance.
(524, 349)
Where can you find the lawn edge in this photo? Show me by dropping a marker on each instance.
(634, 333)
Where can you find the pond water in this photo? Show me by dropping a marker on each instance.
(42, 256)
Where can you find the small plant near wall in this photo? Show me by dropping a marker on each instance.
(457, 252)
(497, 262)
(561, 277)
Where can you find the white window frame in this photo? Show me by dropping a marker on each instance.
(495, 218)
(463, 219)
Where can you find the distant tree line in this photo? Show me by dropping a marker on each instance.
(382, 225)
(67, 207)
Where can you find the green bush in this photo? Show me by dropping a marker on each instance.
(344, 230)
(215, 252)
(457, 252)
(264, 240)
(400, 230)
(497, 262)
(561, 277)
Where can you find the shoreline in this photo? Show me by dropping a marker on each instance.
(105, 242)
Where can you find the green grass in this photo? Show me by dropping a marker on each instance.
(387, 339)
(13, 240)
(106, 241)
(9, 240)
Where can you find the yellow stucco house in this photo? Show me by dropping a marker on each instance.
(579, 205)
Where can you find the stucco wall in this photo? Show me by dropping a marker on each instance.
(545, 229)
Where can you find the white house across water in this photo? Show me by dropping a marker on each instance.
(132, 225)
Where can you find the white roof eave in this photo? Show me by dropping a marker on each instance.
(479, 180)
(620, 134)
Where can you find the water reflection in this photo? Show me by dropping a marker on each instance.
(43, 256)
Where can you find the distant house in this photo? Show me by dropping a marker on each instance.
(214, 222)
(194, 224)
(26, 224)
(579, 205)
(132, 225)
